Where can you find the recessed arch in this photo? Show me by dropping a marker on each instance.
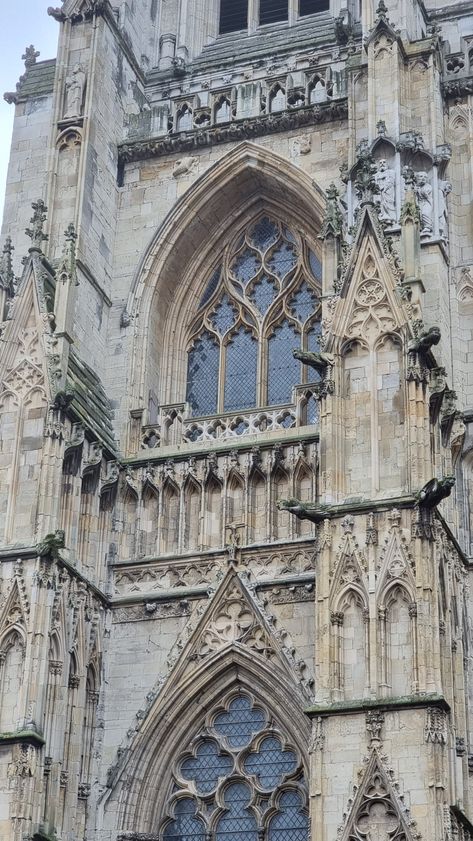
(248, 179)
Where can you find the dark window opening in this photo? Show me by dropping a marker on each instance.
(271, 11)
(233, 15)
(310, 7)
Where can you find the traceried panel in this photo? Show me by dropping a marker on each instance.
(238, 780)
(259, 304)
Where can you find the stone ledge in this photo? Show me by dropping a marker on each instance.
(384, 704)
(25, 737)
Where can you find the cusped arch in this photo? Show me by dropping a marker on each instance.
(245, 179)
(178, 715)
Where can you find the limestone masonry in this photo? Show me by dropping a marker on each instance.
(236, 425)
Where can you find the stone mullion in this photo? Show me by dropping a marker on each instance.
(383, 684)
(49, 494)
(36, 654)
(73, 749)
(51, 763)
(418, 453)
(413, 632)
(323, 635)
(373, 658)
(13, 477)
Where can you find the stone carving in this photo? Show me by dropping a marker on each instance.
(424, 195)
(374, 725)
(150, 611)
(434, 491)
(333, 220)
(50, 545)
(317, 739)
(424, 341)
(305, 510)
(435, 730)
(385, 199)
(319, 361)
(75, 89)
(37, 221)
(184, 166)
(445, 188)
(293, 593)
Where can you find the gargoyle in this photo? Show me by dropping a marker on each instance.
(434, 491)
(305, 510)
(319, 361)
(63, 399)
(423, 343)
(51, 545)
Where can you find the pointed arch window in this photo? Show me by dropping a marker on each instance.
(240, 779)
(258, 306)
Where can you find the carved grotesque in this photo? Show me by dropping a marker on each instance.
(319, 361)
(305, 510)
(434, 491)
(51, 545)
(425, 341)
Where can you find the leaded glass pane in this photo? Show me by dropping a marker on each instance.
(283, 370)
(271, 764)
(211, 287)
(303, 302)
(264, 233)
(313, 339)
(185, 826)
(207, 767)
(240, 722)
(202, 375)
(312, 410)
(263, 293)
(238, 823)
(315, 265)
(240, 372)
(283, 259)
(290, 823)
(246, 266)
(224, 316)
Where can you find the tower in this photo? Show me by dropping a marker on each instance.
(236, 408)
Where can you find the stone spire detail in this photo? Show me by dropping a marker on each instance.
(29, 56)
(7, 276)
(37, 221)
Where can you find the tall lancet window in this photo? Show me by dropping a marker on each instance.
(239, 779)
(259, 305)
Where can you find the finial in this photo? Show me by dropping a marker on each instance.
(382, 11)
(68, 263)
(333, 220)
(37, 221)
(29, 56)
(365, 184)
(8, 249)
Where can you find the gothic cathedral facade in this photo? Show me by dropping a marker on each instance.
(236, 419)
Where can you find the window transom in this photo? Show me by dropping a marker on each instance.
(259, 305)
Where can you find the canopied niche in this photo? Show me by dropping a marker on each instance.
(247, 184)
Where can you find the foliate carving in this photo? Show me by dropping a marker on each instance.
(23, 762)
(150, 611)
(317, 739)
(374, 725)
(372, 313)
(293, 593)
(371, 530)
(435, 730)
(36, 232)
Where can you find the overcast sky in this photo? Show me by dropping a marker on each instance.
(27, 22)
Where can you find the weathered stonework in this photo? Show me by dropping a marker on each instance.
(236, 426)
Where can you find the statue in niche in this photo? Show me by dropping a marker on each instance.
(75, 87)
(424, 195)
(385, 179)
(444, 189)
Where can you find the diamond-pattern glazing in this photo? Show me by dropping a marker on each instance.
(291, 823)
(263, 293)
(240, 722)
(304, 302)
(238, 823)
(202, 375)
(224, 316)
(207, 766)
(185, 826)
(240, 372)
(264, 233)
(283, 370)
(246, 266)
(271, 763)
(211, 287)
(283, 259)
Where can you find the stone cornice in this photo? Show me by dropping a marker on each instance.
(239, 130)
(386, 705)
(25, 737)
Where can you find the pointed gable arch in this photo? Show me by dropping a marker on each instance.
(245, 179)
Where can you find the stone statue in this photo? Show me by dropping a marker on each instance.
(305, 510)
(424, 195)
(434, 491)
(425, 341)
(319, 361)
(75, 87)
(386, 198)
(444, 189)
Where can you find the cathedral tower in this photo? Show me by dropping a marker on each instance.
(236, 425)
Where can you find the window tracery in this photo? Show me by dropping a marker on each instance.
(261, 303)
(239, 780)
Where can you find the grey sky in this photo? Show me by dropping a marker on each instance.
(27, 22)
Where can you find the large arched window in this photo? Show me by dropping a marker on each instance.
(259, 305)
(238, 779)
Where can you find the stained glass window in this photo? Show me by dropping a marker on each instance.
(260, 304)
(247, 783)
